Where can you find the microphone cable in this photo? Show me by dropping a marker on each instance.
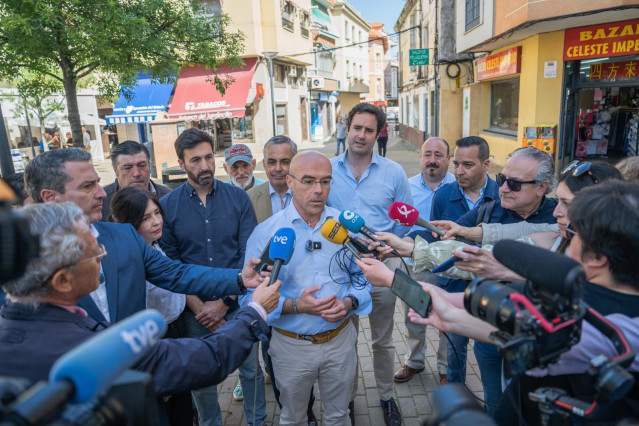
(342, 259)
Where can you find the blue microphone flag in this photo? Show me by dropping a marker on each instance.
(282, 245)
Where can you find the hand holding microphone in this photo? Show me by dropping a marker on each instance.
(337, 234)
(355, 223)
(281, 250)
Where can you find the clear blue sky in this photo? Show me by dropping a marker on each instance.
(386, 11)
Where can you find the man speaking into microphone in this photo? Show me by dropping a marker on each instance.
(313, 337)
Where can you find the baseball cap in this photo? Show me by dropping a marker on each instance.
(239, 152)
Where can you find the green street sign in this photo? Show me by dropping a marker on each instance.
(418, 57)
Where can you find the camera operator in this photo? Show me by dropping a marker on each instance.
(42, 321)
(604, 240)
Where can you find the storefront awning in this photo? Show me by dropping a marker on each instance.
(196, 97)
(148, 99)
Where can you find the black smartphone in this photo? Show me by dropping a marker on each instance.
(362, 247)
(265, 259)
(411, 292)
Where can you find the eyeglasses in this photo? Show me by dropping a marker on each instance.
(513, 184)
(308, 182)
(578, 168)
(98, 257)
(570, 232)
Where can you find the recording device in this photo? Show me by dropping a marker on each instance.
(355, 223)
(407, 215)
(313, 245)
(88, 371)
(265, 260)
(411, 292)
(334, 232)
(17, 245)
(362, 247)
(538, 325)
(281, 250)
(454, 406)
(449, 263)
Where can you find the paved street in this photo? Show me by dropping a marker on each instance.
(413, 397)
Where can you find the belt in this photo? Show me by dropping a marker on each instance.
(318, 338)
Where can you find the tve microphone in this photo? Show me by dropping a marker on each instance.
(553, 271)
(355, 223)
(281, 250)
(407, 215)
(337, 234)
(93, 365)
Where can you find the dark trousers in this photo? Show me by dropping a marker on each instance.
(381, 145)
(179, 408)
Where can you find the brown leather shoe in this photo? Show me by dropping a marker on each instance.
(405, 373)
(443, 379)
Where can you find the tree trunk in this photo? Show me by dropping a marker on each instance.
(43, 129)
(70, 91)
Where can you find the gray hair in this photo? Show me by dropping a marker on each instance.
(276, 140)
(546, 170)
(60, 247)
(46, 171)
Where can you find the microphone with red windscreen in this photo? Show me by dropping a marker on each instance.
(407, 215)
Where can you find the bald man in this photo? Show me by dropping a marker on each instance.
(434, 161)
(313, 337)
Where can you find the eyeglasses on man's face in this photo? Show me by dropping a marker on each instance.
(97, 257)
(513, 184)
(310, 182)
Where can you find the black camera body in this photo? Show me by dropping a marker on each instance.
(522, 338)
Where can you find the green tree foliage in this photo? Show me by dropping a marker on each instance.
(70, 40)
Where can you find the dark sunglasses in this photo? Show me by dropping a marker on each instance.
(570, 232)
(513, 184)
(578, 168)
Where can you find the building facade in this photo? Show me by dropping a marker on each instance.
(563, 78)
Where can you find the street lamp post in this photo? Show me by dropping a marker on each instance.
(270, 54)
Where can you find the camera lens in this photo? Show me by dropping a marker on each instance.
(490, 301)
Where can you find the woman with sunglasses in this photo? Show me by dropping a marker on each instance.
(142, 209)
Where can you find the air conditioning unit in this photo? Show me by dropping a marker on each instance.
(317, 83)
(292, 72)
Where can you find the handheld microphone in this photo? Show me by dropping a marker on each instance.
(281, 250)
(407, 215)
(355, 223)
(558, 273)
(92, 366)
(334, 232)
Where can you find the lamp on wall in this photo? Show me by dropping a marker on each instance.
(270, 54)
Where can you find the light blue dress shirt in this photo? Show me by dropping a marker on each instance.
(306, 269)
(276, 200)
(423, 195)
(383, 183)
(480, 200)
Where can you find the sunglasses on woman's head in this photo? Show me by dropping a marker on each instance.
(513, 184)
(578, 168)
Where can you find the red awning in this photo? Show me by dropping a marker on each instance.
(196, 97)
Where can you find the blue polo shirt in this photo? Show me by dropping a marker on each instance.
(213, 235)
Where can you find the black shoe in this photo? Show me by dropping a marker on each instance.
(392, 416)
(312, 420)
(351, 412)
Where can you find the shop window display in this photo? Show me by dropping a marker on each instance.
(504, 106)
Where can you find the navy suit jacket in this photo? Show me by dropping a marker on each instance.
(130, 262)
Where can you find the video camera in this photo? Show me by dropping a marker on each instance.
(536, 326)
(17, 245)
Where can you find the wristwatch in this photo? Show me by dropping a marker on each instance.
(228, 301)
(354, 302)
(240, 282)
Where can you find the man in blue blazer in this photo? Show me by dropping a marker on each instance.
(68, 175)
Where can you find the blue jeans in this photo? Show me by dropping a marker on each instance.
(251, 378)
(489, 360)
(457, 356)
(341, 141)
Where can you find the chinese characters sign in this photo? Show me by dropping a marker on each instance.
(500, 64)
(614, 70)
(597, 41)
